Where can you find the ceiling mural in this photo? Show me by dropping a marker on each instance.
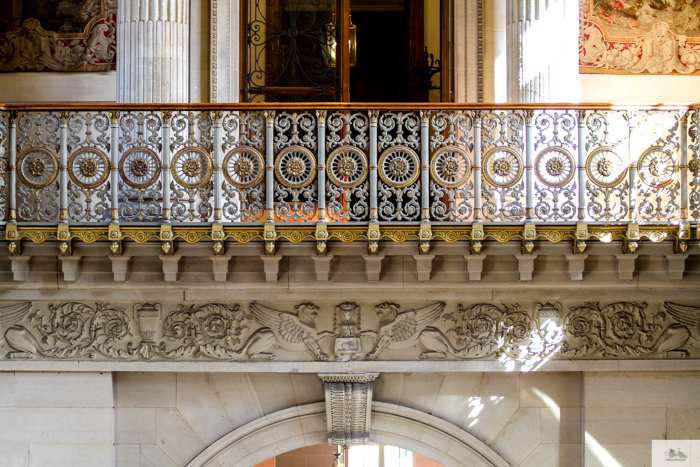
(640, 36)
(58, 35)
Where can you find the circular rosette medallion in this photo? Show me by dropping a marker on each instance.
(37, 167)
(88, 167)
(347, 167)
(295, 167)
(139, 167)
(244, 167)
(399, 166)
(605, 167)
(657, 167)
(555, 166)
(502, 166)
(192, 167)
(450, 166)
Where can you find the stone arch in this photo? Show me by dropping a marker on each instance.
(305, 425)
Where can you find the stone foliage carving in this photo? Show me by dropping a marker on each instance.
(627, 329)
(658, 37)
(72, 330)
(216, 331)
(86, 41)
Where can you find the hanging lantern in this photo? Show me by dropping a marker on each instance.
(332, 42)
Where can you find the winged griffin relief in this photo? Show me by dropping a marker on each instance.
(402, 330)
(294, 331)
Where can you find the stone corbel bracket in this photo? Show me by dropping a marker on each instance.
(348, 406)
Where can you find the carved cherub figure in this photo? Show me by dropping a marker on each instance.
(293, 331)
(401, 330)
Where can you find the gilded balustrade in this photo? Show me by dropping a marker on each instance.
(340, 171)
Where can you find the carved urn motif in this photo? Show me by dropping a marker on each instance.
(148, 317)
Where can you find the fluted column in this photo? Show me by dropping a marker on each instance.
(542, 50)
(153, 51)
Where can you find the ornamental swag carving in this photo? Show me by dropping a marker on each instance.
(216, 331)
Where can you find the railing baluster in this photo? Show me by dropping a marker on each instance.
(269, 166)
(581, 165)
(684, 167)
(529, 176)
(63, 166)
(477, 166)
(632, 144)
(165, 164)
(218, 175)
(373, 117)
(425, 165)
(114, 165)
(12, 192)
(321, 122)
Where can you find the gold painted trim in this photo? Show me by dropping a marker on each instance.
(203, 153)
(74, 177)
(256, 154)
(24, 154)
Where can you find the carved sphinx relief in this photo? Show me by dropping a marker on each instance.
(58, 35)
(306, 331)
(640, 36)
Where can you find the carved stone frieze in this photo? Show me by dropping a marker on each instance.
(526, 332)
(346, 323)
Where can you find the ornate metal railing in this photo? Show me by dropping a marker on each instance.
(433, 169)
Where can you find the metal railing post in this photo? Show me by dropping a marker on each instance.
(425, 165)
(373, 118)
(63, 165)
(581, 114)
(684, 167)
(165, 164)
(114, 165)
(477, 166)
(321, 122)
(218, 175)
(529, 175)
(269, 166)
(12, 192)
(632, 122)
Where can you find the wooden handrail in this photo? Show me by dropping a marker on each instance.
(405, 106)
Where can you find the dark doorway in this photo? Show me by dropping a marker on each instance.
(381, 40)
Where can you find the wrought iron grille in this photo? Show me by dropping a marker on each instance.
(287, 58)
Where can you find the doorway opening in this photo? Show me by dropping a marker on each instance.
(370, 455)
(301, 51)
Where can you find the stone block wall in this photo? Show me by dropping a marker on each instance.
(540, 418)
(56, 419)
